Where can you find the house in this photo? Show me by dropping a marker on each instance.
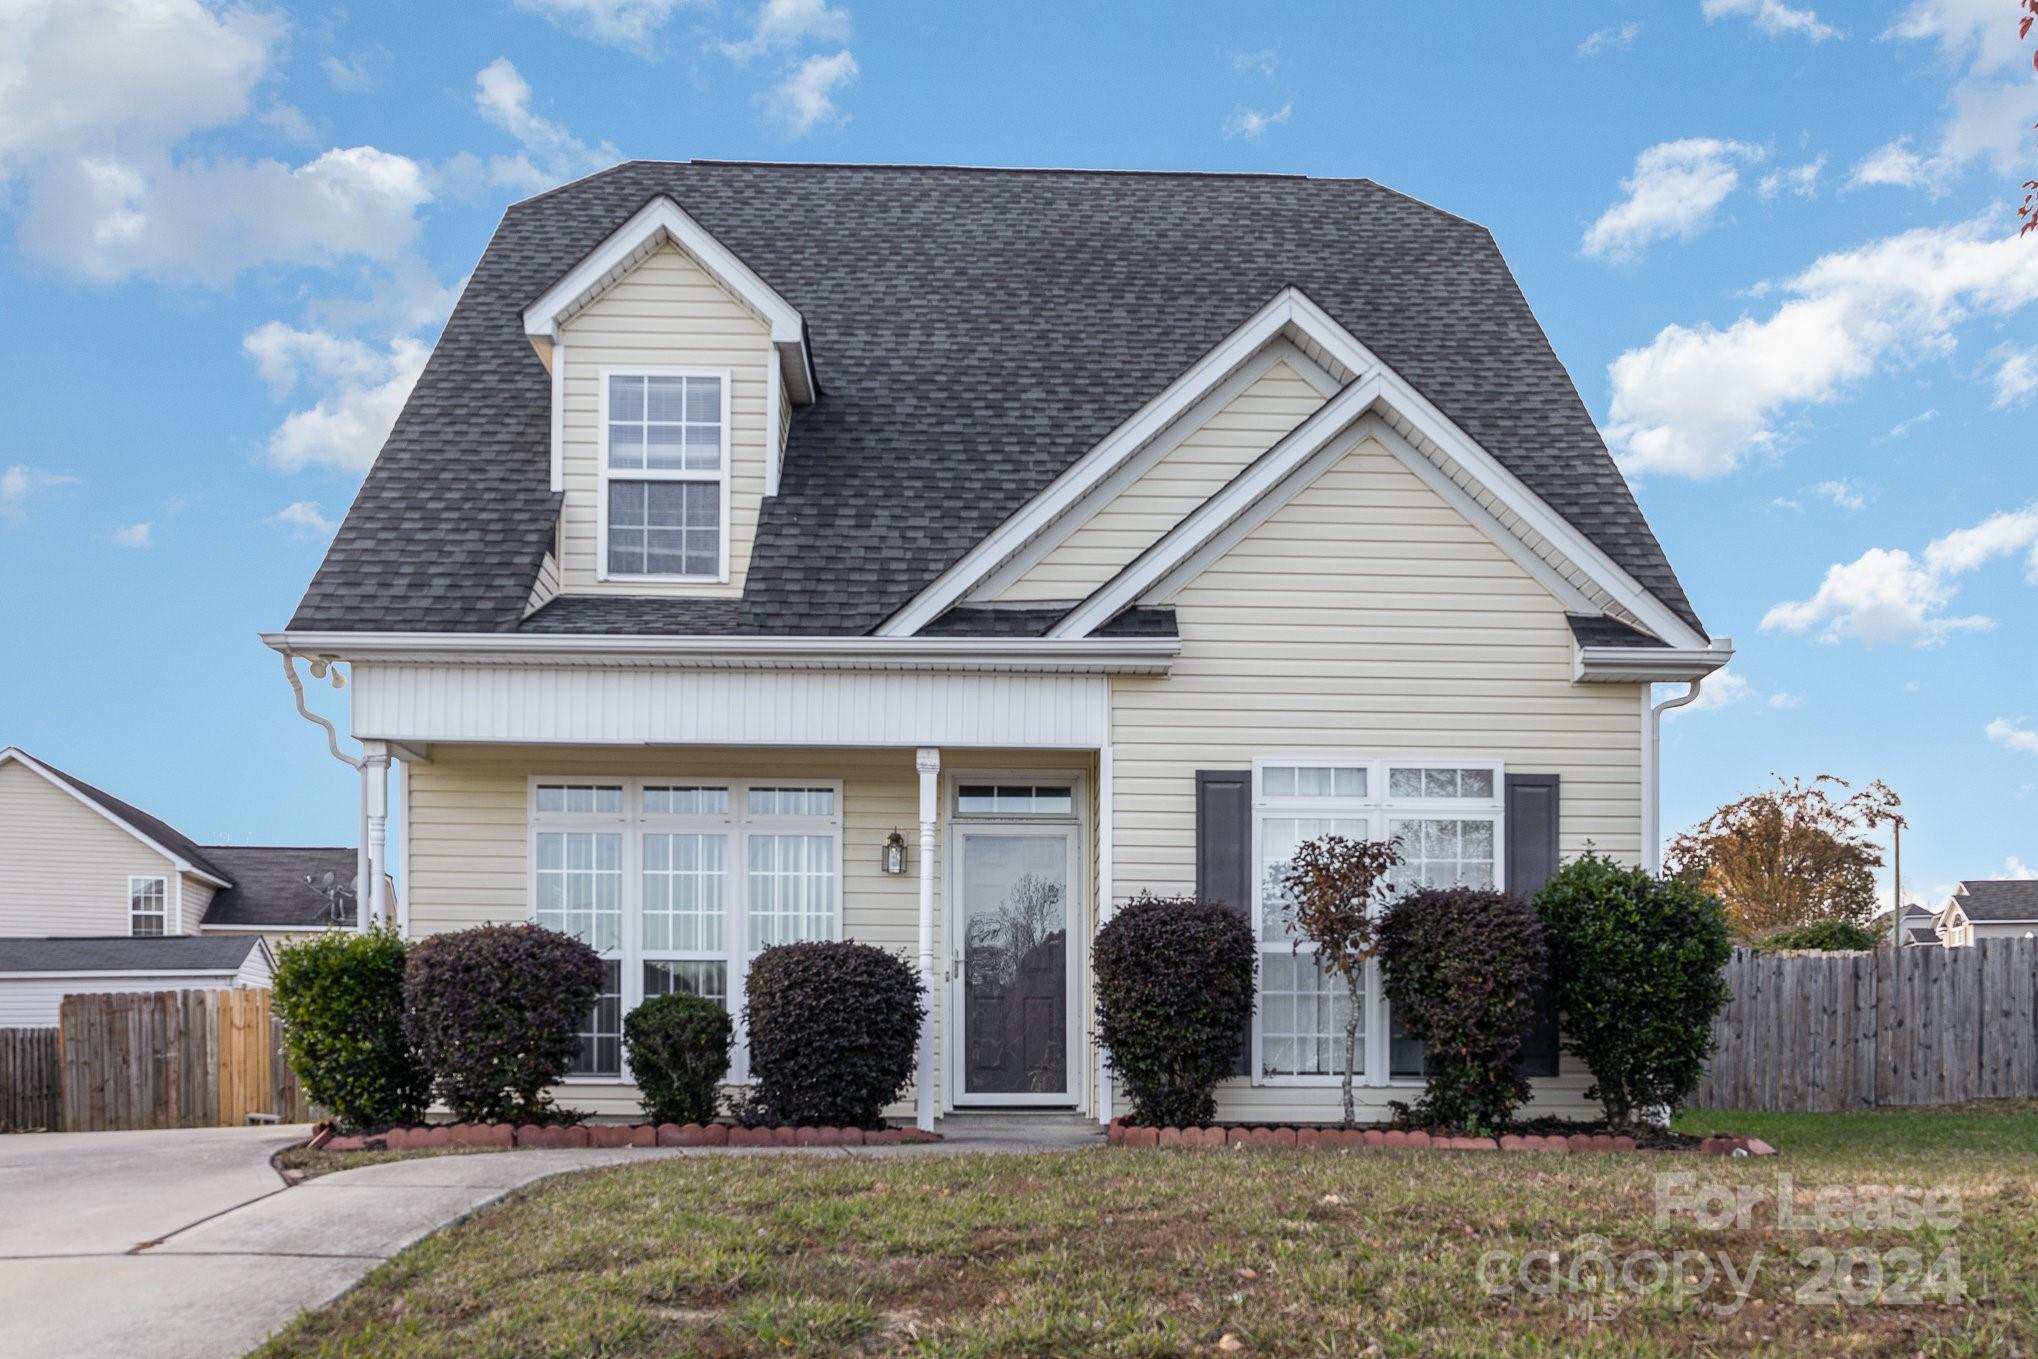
(1919, 926)
(1999, 908)
(940, 557)
(98, 895)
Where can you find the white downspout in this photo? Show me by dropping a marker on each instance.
(1106, 893)
(1652, 774)
(928, 762)
(363, 867)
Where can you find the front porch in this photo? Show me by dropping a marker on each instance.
(680, 863)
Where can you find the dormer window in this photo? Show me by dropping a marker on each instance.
(665, 474)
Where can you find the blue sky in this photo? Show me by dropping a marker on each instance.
(1773, 242)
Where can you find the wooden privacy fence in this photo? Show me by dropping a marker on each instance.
(28, 1079)
(173, 1059)
(1835, 1031)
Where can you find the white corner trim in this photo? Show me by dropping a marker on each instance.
(558, 415)
(1648, 664)
(1303, 447)
(657, 222)
(178, 862)
(1154, 451)
(774, 436)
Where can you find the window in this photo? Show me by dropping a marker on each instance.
(148, 905)
(1448, 818)
(680, 885)
(1014, 799)
(665, 474)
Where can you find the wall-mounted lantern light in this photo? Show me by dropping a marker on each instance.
(893, 857)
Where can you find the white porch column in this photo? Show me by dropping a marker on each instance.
(372, 905)
(928, 761)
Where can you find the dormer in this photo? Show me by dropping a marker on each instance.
(675, 370)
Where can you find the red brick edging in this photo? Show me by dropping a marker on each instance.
(1122, 1134)
(506, 1135)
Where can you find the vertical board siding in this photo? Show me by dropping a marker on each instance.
(1829, 1032)
(31, 1086)
(172, 1059)
(667, 312)
(66, 865)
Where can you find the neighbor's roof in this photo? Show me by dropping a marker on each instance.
(119, 953)
(973, 333)
(1998, 899)
(269, 887)
(160, 831)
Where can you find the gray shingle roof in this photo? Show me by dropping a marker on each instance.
(118, 953)
(1594, 630)
(973, 332)
(269, 885)
(1998, 899)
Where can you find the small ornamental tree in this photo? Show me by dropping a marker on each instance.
(833, 1029)
(340, 996)
(1636, 963)
(1174, 991)
(1824, 936)
(1329, 891)
(1461, 968)
(497, 1012)
(679, 1053)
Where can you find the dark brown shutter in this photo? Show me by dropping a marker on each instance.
(1531, 859)
(1224, 851)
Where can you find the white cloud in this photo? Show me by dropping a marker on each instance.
(1784, 702)
(1896, 164)
(1264, 61)
(1784, 502)
(1918, 421)
(1697, 401)
(135, 535)
(361, 391)
(1887, 595)
(1721, 689)
(783, 24)
(624, 23)
(349, 76)
(1675, 190)
(1801, 181)
(2013, 736)
(1842, 494)
(1990, 108)
(1772, 17)
(1255, 122)
(21, 482)
(805, 99)
(302, 518)
(2016, 377)
(551, 154)
(2017, 869)
(1605, 39)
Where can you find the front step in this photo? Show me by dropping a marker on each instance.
(1022, 1127)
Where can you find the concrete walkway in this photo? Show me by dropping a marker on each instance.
(186, 1243)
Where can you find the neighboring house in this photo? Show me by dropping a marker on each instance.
(1919, 927)
(2000, 908)
(1089, 534)
(98, 895)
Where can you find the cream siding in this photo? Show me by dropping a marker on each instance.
(668, 311)
(34, 1002)
(469, 838)
(1366, 617)
(197, 896)
(545, 587)
(1187, 475)
(63, 866)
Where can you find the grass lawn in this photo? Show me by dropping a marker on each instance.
(1148, 1253)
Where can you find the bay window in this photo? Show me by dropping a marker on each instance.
(665, 474)
(679, 885)
(1447, 817)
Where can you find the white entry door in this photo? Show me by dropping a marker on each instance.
(1012, 990)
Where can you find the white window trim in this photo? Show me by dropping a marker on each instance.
(1375, 809)
(163, 883)
(720, 478)
(631, 823)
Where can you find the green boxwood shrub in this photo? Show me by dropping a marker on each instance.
(1829, 936)
(1460, 969)
(497, 1011)
(1174, 990)
(1636, 963)
(679, 1053)
(833, 1031)
(340, 997)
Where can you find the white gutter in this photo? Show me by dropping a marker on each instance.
(1648, 664)
(1131, 655)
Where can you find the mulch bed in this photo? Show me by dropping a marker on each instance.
(1546, 1135)
(427, 1135)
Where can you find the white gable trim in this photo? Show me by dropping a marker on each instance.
(182, 865)
(1291, 311)
(1154, 451)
